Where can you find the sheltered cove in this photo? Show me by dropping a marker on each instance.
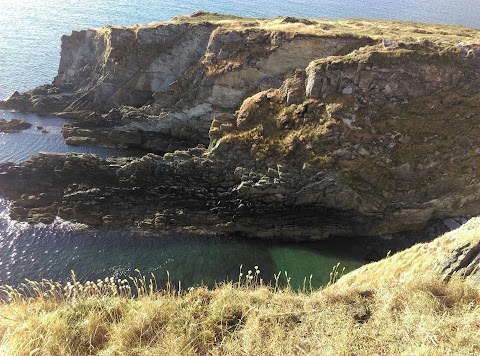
(283, 129)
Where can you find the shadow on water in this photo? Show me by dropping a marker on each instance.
(52, 251)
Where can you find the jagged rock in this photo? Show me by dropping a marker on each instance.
(389, 43)
(464, 261)
(79, 141)
(348, 89)
(290, 19)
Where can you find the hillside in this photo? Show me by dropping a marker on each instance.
(409, 303)
(287, 129)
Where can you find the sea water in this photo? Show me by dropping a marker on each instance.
(30, 33)
(51, 251)
(30, 30)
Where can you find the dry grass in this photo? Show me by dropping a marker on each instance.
(376, 29)
(419, 259)
(368, 312)
(422, 316)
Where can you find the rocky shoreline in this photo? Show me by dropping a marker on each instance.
(258, 130)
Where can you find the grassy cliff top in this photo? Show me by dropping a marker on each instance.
(376, 29)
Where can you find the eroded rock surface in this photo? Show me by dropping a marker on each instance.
(308, 136)
(463, 261)
(177, 191)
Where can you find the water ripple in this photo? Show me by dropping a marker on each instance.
(52, 250)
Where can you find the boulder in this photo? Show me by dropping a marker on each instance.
(14, 125)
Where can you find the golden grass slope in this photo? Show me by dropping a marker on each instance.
(397, 306)
(423, 317)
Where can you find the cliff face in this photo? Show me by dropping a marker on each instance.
(371, 134)
(125, 66)
(105, 68)
(311, 133)
(171, 79)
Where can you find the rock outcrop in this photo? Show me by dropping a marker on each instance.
(455, 254)
(14, 125)
(309, 135)
(184, 190)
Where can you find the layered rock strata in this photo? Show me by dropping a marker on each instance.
(352, 136)
(180, 191)
(166, 82)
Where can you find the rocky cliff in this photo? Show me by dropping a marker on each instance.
(314, 128)
(455, 254)
(166, 82)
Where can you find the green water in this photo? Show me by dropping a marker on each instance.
(52, 251)
(296, 261)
